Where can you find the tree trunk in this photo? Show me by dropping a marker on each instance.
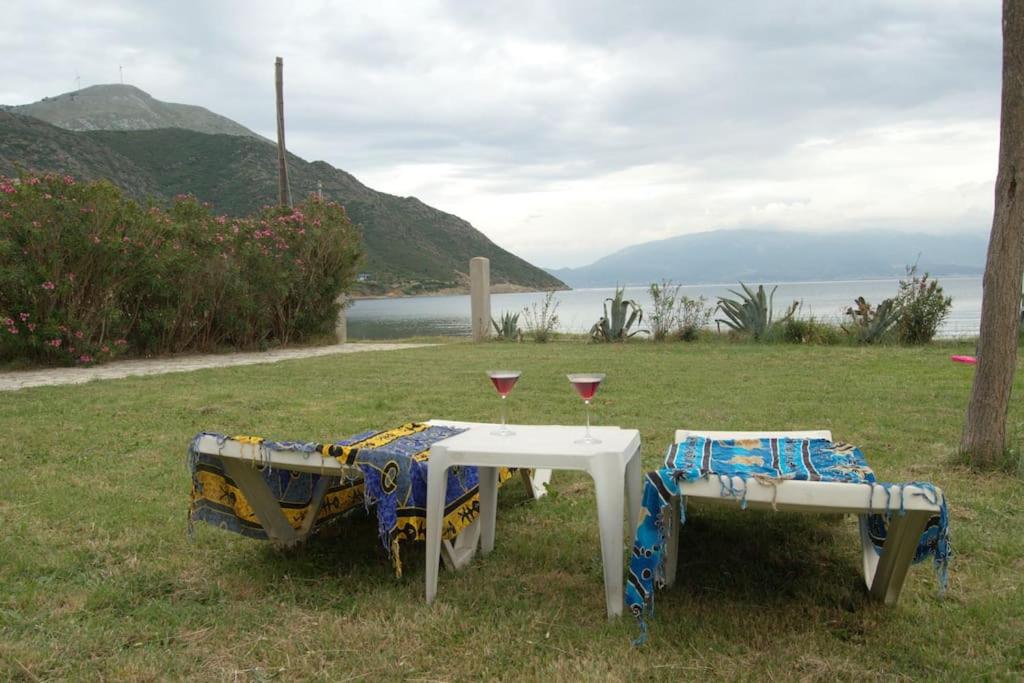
(984, 436)
(284, 192)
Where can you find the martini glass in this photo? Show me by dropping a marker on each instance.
(586, 386)
(503, 381)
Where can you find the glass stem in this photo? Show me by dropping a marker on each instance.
(504, 413)
(586, 410)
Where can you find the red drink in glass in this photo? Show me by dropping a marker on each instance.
(504, 381)
(586, 386)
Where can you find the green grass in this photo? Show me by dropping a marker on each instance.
(98, 579)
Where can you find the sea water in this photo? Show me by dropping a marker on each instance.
(579, 309)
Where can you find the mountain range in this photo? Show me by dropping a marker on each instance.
(770, 255)
(156, 150)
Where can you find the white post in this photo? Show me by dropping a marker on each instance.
(480, 296)
(341, 324)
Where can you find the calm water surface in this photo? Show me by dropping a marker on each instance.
(579, 309)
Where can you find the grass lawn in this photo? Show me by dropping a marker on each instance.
(98, 579)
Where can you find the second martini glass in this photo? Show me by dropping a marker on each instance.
(586, 386)
(503, 381)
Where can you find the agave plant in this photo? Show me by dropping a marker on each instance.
(869, 325)
(752, 312)
(615, 325)
(507, 327)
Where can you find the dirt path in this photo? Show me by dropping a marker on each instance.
(12, 381)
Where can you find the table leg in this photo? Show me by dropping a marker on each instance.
(437, 484)
(634, 489)
(609, 492)
(488, 507)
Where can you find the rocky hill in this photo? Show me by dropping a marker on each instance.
(125, 107)
(411, 247)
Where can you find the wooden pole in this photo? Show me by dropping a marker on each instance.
(284, 192)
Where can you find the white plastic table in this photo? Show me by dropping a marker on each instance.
(612, 463)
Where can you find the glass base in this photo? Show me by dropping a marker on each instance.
(503, 431)
(587, 440)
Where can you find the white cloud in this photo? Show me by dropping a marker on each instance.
(565, 131)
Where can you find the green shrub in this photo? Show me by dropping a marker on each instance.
(664, 316)
(922, 306)
(692, 316)
(809, 330)
(86, 274)
(541, 320)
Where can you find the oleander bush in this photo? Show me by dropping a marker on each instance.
(87, 274)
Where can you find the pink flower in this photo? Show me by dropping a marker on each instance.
(121, 342)
(105, 349)
(33, 181)
(9, 322)
(24, 316)
(68, 180)
(6, 188)
(12, 330)
(31, 327)
(49, 286)
(55, 343)
(85, 358)
(79, 334)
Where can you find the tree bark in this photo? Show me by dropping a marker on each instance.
(984, 435)
(284, 192)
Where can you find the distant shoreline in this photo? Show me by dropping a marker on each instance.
(506, 288)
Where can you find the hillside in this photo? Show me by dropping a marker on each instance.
(765, 255)
(125, 107)
(410, 246)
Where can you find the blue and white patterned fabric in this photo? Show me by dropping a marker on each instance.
(734, 462)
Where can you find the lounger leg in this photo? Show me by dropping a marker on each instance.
(457, 554)
(610, 504)
(315, 502)
(437, 482)
(263, 503)
(671, 549)
(885, 573)
(536, 482)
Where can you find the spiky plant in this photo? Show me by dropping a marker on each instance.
(507, 327)
(870, 325)
(615, 324)
(752, 312)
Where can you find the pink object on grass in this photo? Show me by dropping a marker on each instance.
(967, 360)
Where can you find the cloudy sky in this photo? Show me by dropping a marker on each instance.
(566, 130)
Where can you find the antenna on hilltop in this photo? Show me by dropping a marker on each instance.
(121, 70)
(78, 81)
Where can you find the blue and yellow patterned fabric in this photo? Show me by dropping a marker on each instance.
(739, 460)
(393, 482)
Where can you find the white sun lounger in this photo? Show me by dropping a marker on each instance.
(241, 461)
(883, 573)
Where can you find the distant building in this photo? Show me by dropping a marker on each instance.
(364, 277)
